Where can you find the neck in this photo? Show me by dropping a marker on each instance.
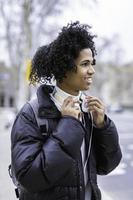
(59, 95)
(68, 90)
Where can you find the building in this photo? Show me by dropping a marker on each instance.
(8, 86)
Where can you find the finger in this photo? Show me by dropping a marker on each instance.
(74, 102)
(77, 108)
(67, 101)
(95, 103)
(92, 98)
(96, 109)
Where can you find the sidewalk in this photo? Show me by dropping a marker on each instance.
(6, 186)
(105, 196)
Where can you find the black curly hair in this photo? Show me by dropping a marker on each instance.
(57, 58)
(40, 73)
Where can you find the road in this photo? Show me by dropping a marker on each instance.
(117, 185)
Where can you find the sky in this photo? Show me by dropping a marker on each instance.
(107, 18)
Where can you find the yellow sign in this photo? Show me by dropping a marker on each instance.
(28, 69)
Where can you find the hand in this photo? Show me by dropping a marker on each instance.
(69, 108)
(97, 108)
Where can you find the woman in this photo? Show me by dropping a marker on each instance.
(82, 141)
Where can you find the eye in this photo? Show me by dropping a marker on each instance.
(85, 64)
(88, 63)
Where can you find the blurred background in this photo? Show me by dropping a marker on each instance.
(27, 24)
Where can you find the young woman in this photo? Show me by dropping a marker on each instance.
(81, 140)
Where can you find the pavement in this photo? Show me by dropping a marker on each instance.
(105, 196)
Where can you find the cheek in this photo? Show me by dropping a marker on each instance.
(81, 80)
(78, 78)
(82, 76)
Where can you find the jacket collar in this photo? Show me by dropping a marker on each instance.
(47, 108)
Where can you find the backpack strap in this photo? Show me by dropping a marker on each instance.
(44, 128)
(41, 122)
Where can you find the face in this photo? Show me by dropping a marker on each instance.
(82, 78)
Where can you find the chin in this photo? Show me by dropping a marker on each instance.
(87, 87)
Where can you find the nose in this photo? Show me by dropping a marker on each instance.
(91, 70)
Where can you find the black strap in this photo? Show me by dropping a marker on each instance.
(42, 122)
(43, 125)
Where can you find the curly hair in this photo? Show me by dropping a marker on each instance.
(57, 58)
(40, 73)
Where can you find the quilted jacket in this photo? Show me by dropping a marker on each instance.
(48, 164)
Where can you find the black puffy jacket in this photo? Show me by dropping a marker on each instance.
(48, 165)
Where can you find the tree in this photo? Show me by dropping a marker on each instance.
(25, 22)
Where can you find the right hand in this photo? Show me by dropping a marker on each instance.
(69, 108)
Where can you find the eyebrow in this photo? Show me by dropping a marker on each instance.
(84, 61)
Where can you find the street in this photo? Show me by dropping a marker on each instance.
(117, 185)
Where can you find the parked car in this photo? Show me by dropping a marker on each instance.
(117, 108)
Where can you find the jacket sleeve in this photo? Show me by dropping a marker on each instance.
(38, 162)
(107, 148)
